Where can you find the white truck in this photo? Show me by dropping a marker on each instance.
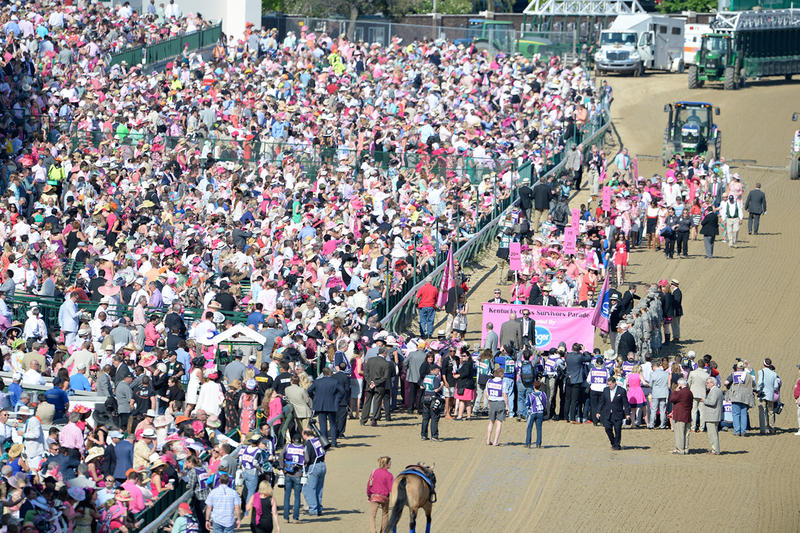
(642, 41)
(691, 40)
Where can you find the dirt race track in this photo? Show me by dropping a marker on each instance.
(742, 303)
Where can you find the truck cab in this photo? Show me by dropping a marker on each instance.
(620, 52)
(636, 42)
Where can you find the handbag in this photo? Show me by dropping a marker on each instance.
(460, 322)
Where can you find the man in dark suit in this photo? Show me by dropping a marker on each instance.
(626, 303)
(526, 198)
(343, 378)
(377, 371)
(326, 393)
(575, 379)
(497, 299)
(613, 409)
(709, 229)
(542, 194)
(756, 205)
(614, 317)
(546, 299)
(677, 308)
(511, 332)
(528, 328)
(626, 343)
(536, 291)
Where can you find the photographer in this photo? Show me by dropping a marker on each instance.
(740, 394)
(432, 403)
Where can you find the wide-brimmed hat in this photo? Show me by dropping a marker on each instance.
(123, 496)
(148, 433)
(15, 451)
(94, 453)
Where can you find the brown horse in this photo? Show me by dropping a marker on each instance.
(414, 487)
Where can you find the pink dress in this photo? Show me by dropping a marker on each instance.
(635, 392)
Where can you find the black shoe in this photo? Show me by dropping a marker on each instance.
(435, 439)
(374, 424)
(362, 422)
(424, 438)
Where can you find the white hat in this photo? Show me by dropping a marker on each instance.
(690, 354)
(149, 433)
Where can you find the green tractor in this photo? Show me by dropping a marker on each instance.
(716, 61)
(500, 36)
(691, 131)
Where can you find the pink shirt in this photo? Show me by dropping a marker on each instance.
(137, 499)
(380, 482)
(71, 436)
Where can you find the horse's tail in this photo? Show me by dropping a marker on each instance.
(397, 510)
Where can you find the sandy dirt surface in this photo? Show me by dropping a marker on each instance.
(741, 304)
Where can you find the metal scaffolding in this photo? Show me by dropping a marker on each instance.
(583, 8)
(777, 19)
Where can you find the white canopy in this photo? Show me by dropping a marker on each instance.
(237, 333)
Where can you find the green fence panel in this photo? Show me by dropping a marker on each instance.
(169, 48)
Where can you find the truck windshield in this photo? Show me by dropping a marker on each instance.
(715, 44)
(618, 37)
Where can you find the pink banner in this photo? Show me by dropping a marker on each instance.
(514, 256)
(606, 198)
(575, 222)
(569, 240)
(553, 324)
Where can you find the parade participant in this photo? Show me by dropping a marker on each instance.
(712, 404)
(681, 400)
(315, 472)
(613, 410)
(251, 461)
(536, 406)
(598, 380)
(498, 406)
(432, 403)
(293, 460)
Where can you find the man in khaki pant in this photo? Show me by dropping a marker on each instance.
(697, 384)
(712, 408)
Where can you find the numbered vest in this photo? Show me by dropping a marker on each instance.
(294, 457)
(598, 376)
(318, 449)
(494, 390)
(627, 367)
(739, 377)
(428, 384)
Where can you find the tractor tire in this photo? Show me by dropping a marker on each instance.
(718, 145)
(668, 153)
(730, 79)
(693, 77)
(794, 167)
